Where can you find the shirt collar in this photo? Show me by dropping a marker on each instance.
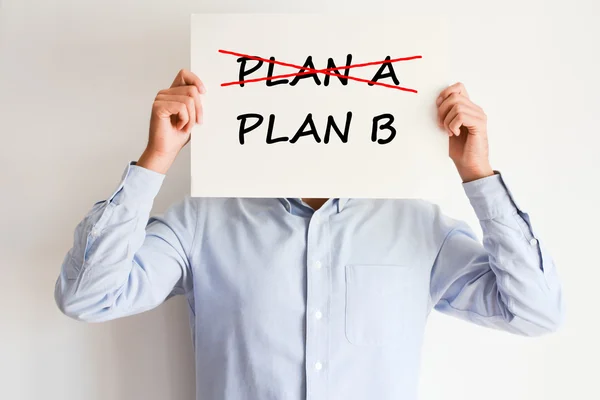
(342, 203)
(287, 203)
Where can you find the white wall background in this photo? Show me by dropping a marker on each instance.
(76, 84)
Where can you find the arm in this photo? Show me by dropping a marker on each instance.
(122, 262)
(510, 282)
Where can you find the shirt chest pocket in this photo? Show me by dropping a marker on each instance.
(385, 304)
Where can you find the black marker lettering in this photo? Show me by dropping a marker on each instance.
(312, 131)
(243, 73)
(387, 125)
(390, 74)
(270, 139)
(271, 82)
(331, 124)
(307, 64)
(243, 129)
(331, 64)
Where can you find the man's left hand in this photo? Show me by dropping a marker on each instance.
(466, 124)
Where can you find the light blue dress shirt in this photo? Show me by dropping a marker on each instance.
(288, 303)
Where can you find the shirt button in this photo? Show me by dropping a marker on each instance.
(318, 366)
(318, 264)
(318, 315)
(533, 241)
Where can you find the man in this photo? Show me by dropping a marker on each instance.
(309, 298)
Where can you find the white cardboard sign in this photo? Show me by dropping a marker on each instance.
(318, 106)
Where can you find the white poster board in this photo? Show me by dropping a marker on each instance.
(277, 137)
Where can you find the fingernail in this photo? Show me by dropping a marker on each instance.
(438, 101)
(202, 89)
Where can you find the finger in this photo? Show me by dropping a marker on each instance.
(456, 119)
(185, 77)
(454, 100)
(457, 110)
(467, 120)
(166, 109)
(189, 103)
(458, 88)
(447, 105)
(191, 91)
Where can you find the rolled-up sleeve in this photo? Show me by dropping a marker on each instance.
(509, 281)
(122, 261)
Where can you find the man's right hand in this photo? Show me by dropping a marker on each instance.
(174, 112)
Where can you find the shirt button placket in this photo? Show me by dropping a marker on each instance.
(317, 295)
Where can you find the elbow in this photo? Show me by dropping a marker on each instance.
(72, 309)
(72, 305)
(549, 327)
(555, 320)
(67, 309)
(67, 304)
(545, 322)
(541, 330)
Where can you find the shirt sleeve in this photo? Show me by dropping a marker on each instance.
(122, 261)
(509, 282)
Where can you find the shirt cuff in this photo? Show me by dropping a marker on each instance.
(489, 197)
(138, 185)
